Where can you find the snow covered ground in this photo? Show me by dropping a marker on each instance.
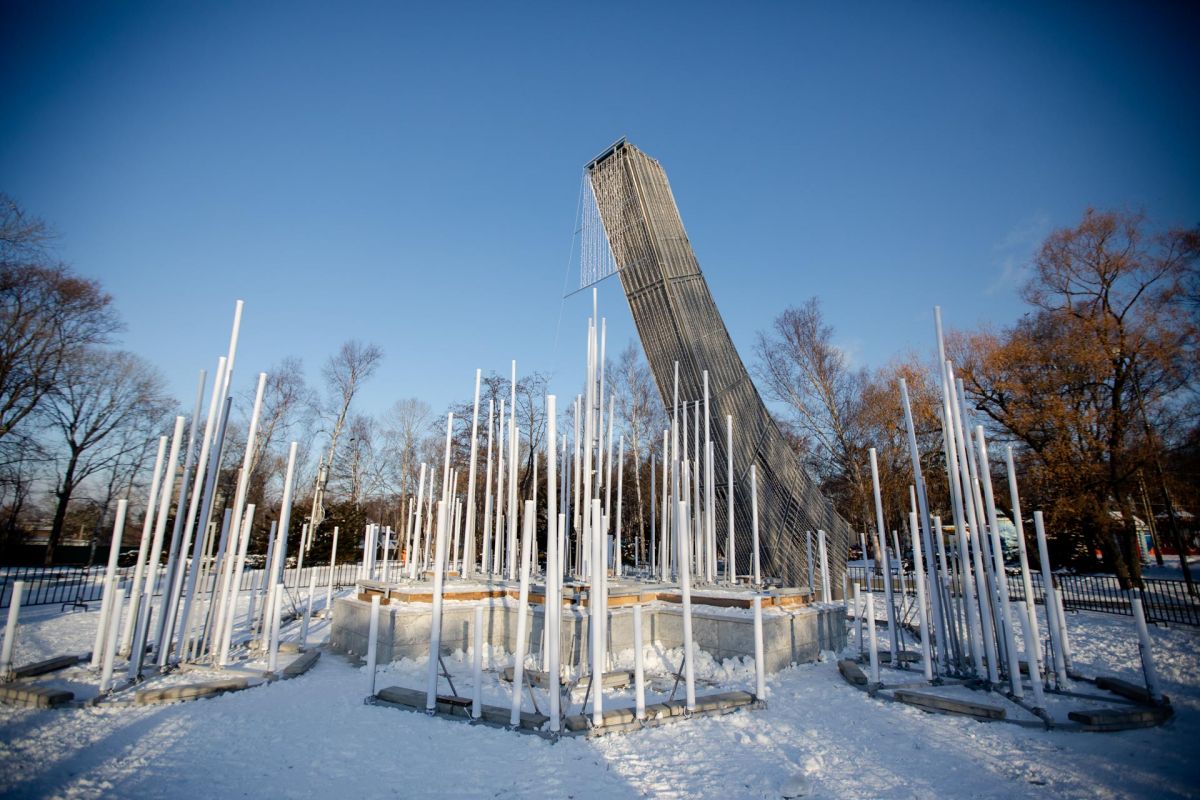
(313, 737)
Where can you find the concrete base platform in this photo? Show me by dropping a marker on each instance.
(300, 665)
(189, 691)
(31, 696)
(458, 707)
(792, 634)
(620, 720)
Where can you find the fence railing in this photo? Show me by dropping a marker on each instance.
(80, 585)
(1165, 601)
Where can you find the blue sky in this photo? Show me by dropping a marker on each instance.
(408, 174)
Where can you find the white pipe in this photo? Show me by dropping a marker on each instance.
(1148, 669)
(373, 644)
(435, 622)
(754, 522)
(276, 612)
(872, 645)
(110, 645)
(477, 672)
(826, 595)
(1026, 581)
(554, 521)
(881, 540)
(514, 717)
(858, 616)
(143, 548)
(1010, 645)
(760, 668)
(639, 669)
(1051, 604)
(596, 613)
(513, 444)
(487, 499)
(620, 495)
(160, 528)
(468, 565)
(922, 613)
(730, 546)
(332, 570)
(110, 572)
(685, 588)
(235, 591)
(312, 589)
(1032, 645)
(415, 559)
(10, 630)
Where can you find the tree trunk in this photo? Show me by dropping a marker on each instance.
(63, 493)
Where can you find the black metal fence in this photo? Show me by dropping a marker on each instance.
(80, 585)
(1164, 601)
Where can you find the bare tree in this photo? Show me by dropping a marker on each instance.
(641, 417)
(47, 315)
(100, 394)
(405, 428)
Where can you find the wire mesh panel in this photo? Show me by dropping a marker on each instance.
(678, 321)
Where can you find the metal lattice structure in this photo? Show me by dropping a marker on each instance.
(678, 321)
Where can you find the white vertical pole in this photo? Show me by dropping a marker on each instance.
(881, 533)
(1026, 581)
(682, 535)
(414, 560)
(826, 594)
(485, 534)
(435, 627)
(10, 630)
(114, 550)
(595, 614)
(858, 634)
(514, 717)
(760, 668)
(468, 563)
(332, 571)
(312, 589)
(135, 591)
(477, 671)
(110, 644)
(1139, 620)
(276, 613)
(620, 495)
(1048, 595)
(1032, 645)
(639, 668)
(510, 553)
(754, 521)
(235, 588)
(445, 494)
(872, 644)
(985, 478)
(922, 612)
(730, 547)
(373, 643)
(553, 608)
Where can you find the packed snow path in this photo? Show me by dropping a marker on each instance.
(314, 737)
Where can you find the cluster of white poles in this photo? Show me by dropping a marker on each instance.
(168, 612)
(440, 535)
(966, 619)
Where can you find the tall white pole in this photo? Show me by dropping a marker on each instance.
(1048, 598)
(373, 644)
(760, 668)
(468, 565)
(872, 643)
(682, 535)
(435, 626)
(639, 668)
(477, 671)
(881, 533)
(514, 717)
(487, 499)
(1026, 580)
(414, 560)
(511, 549)
(312, 590)
(596, 614)
(985, 478)
(110, 574)
(445, 495)
(135, 590)
(754, 522)
(922, 611)
(332, 573)
(1032, 645)
(1144, 648)
(617, 559)
(826, 594)
(276, 613)
(231, 604)
(10, 630)
(553, 609)
(110, 644)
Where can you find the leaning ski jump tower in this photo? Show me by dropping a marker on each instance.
(678, 321)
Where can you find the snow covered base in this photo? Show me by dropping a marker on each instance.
(791, 636)
(314, 737)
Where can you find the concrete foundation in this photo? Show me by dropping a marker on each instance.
(792, 634)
